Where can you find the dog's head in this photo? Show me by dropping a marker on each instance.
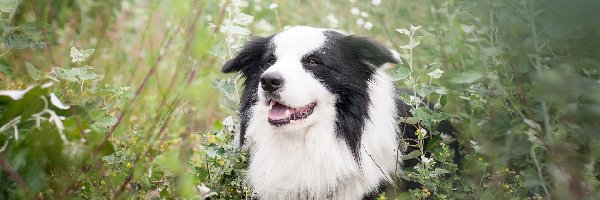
(305, 75)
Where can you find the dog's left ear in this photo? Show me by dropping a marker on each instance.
(367, 50)
(249, 56)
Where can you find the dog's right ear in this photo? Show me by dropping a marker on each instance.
(249, 56)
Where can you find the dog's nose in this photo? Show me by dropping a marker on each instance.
(271, 81)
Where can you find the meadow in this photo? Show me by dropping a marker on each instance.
(107, 99)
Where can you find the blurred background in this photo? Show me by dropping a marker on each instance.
(124, 99)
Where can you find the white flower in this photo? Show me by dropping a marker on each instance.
(243, 19)
(257, 7)
(273, 6)
(364, 14)
(333, 22)
(376, 2)
(368, 25)
(435, 74)
(426, 160)
(264, 26)
(203, 189)
(445, 136)
(360, 21)
(413, 100)
(475, 146)
(355, 11)
(229, 124)
(423, 131)
(240, 3)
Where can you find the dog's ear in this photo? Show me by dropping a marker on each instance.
(250, 55)
(367, 50)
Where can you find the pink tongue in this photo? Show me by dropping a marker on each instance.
(278, 112)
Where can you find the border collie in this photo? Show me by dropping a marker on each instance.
(318, 115)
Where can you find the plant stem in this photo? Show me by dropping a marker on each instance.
(539, 172)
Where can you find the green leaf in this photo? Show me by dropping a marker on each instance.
(426, 91)
(74, 74)
(32, 71)
(424, 114)
(80, 55)
(411, 155)
(13, 41)
(8, 5)
(5, 69)
(30, 103)
(218, 51)
(441, 90)
(492, 51)
(467, 77)
(408, 120)
(400, 73)
(412, 44)
(226, 87)
(102, 120)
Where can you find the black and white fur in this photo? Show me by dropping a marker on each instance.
(343, 143)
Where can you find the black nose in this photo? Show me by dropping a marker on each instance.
(271, 81)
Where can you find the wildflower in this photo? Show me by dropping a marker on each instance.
(203, 189)
(128, 165)
(333, 22)
(364, 14)
(445, 137)
(427, 161)
(376, 2)
(360, 21)
(229, 124)
(368, 25)
(273, 6)
(475, 145)
(355, 11)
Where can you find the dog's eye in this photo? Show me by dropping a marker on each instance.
(311, 61)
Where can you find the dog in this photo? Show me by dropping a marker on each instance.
(318, 115)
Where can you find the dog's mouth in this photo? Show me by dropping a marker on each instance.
(280, 114)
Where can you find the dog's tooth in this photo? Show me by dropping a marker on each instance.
(287, 112)
(271, 104)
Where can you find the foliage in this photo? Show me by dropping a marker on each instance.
(120, 99)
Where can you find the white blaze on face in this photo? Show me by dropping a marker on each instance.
(298, 41)
(300, 87)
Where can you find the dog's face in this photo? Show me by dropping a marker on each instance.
(305, 75)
